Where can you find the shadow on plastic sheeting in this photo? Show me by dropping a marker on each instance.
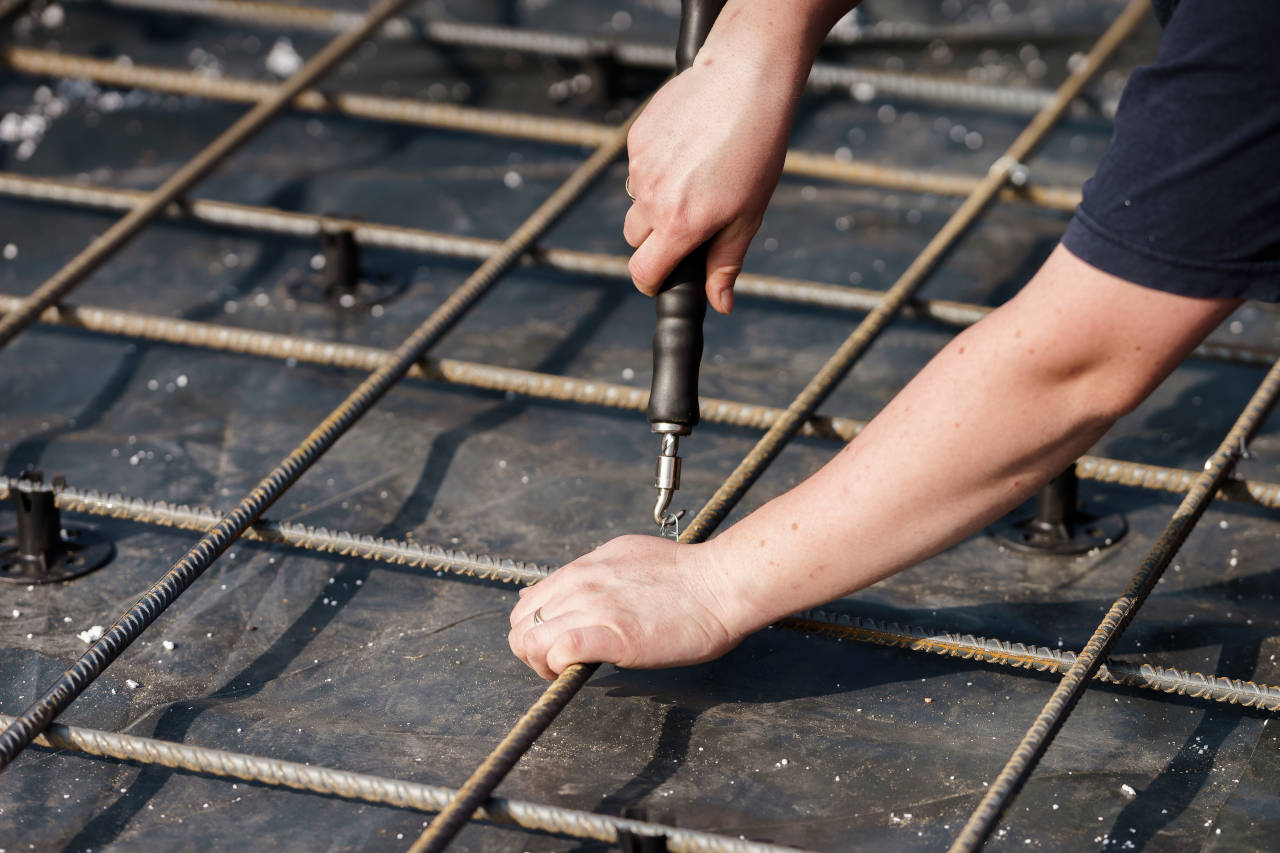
(775, 666)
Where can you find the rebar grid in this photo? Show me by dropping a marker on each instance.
(363, 787)
(547, 386)
(482, 782)
(184, 572)
(1014, 652)
(500, 123)
(824, 76)
(840, 626)
(103, 247)
(258, 220)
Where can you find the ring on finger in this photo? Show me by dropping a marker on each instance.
(537, 616)
(627, 186)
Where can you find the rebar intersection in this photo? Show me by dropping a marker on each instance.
(784, 425)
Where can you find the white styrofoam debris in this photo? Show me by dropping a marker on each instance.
(92, 635)
(283, 60)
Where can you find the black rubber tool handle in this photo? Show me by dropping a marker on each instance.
(681, 303)
(677, 343)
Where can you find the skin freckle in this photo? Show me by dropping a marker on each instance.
(956, 425)
(962, 350)
(761, 543)
(1018, 334)
(795, 526)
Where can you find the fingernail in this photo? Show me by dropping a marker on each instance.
(726, 301)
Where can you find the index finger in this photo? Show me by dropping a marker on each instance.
(657, 257)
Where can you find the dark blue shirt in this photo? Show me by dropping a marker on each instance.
(1187, 196)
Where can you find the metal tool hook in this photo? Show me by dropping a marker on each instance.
(669, 524)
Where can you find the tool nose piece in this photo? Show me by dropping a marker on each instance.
(660, 508)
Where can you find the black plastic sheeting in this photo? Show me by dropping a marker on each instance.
(406, 674)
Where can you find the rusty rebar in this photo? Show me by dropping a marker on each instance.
(367, 788)
(228, 142)
(824, 77)
(566, 685)
(508, 125)
(257, 219)
(185, 571)
(546, 386)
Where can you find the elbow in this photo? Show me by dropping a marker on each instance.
(1100, 395)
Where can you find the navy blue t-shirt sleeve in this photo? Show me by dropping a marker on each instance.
(1186, 198)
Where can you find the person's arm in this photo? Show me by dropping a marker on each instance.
(706, 154)
(1003, 408)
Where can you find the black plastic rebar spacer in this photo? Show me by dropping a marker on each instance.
(1059, 525)
(341, 273)
(635, 842)
(341, 282)
(39, 549)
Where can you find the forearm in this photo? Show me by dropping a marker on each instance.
(1003, 408)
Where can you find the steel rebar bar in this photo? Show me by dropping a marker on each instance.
(185, 571)
(1146, 676)
(546, 386)
(256, 219)
(825, 76)
(396, 552)
(505, 124)
(1027, 755)
(305, 537)
(522, 735)
(367, 788)
(103, 247)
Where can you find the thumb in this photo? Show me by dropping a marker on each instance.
(591, 644)
(724, 262)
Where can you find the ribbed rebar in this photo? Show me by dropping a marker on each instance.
(547, 386)
(396, 552)
(364, 787)
(228, 142)
(504, 124)
(256, 219)
(535, 721)
(823, 77)
(1050, 719)
(219, 537)
(1006, 653)
(434, 558)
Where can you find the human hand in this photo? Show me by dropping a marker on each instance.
(704, 158)
(638, 601)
